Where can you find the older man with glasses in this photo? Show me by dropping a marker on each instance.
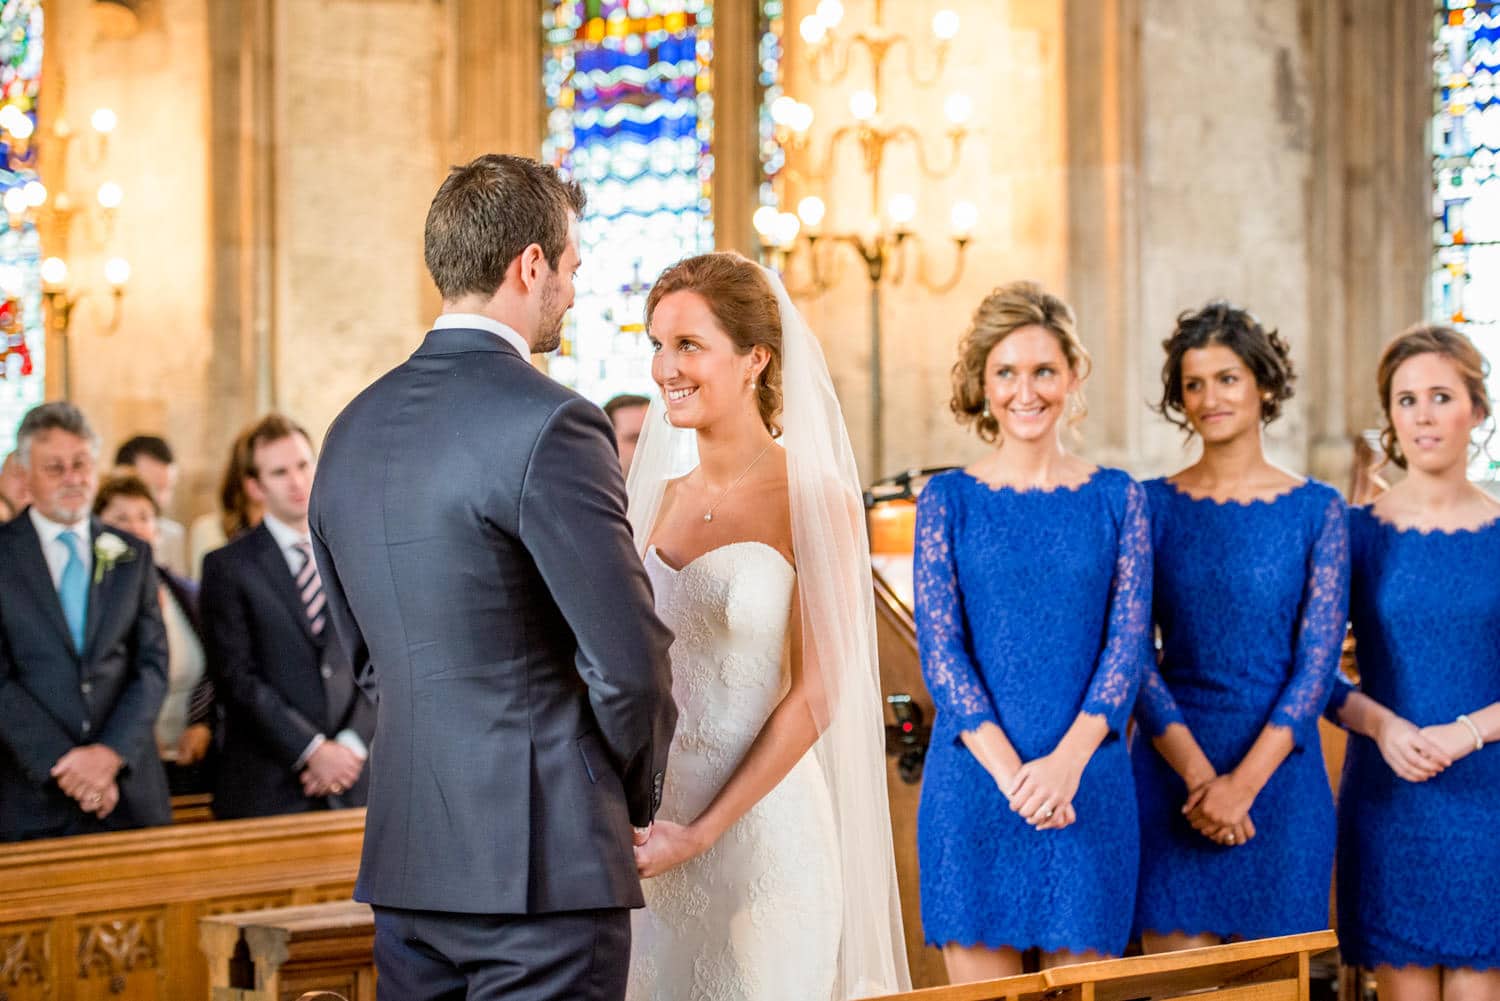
(83, 654)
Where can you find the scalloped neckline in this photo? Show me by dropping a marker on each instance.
(997, 488)
(1368, 510)
(1252, 502)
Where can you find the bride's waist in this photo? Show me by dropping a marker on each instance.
(693, 779)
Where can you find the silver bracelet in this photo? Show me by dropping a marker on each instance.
(1478, 737)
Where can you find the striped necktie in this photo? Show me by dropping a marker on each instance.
(310, 587)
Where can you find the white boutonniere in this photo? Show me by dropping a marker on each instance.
(109, 550)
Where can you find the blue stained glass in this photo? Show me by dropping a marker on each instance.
(22, 335)
(630, 117)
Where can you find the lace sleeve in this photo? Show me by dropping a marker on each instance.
(1320, 631)
(942, 637)
(1127, 644)
(1156, 708)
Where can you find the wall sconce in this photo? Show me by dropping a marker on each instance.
(885, 240)
(61, 299)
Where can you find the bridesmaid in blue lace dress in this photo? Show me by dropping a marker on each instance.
(1419, 807)
(1033, 604)
(1251, 572)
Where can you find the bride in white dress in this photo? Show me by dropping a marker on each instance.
(768, 873)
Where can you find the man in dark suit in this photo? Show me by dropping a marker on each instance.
(83, 655)
(469, 519)
(297, 726)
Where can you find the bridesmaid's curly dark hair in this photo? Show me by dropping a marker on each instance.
(1263, 351)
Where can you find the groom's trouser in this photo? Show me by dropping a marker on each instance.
(442, 956)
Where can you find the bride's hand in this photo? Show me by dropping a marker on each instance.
(669, 846)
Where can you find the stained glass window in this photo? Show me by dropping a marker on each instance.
(22, 340)
(1466, 179)
(629, 97)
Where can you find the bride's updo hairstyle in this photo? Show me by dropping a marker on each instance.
(745, 308)
(1425, 339)
(1004, 311)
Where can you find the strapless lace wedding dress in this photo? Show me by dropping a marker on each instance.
(757, 917)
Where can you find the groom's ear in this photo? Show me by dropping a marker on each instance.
(532, 267)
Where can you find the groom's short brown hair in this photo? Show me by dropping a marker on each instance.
(487, 212)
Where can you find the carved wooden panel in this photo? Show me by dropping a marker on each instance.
(331, 893)
(114, 917)
(26, 972)
(120, 954)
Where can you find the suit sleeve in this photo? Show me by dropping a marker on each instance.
(347, 633)
(131, 724)
(29, 732)
(572, 522)
(228, 646)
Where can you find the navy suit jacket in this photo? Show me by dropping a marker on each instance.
(469, 521)
(53, 699)
(267, 669)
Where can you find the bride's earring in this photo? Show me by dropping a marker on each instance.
(987, 406)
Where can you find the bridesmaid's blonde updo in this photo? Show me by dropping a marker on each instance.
(1004, 311)
(745, 308)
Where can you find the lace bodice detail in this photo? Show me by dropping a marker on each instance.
(761, 910)
(995, 648)
(1251, 602)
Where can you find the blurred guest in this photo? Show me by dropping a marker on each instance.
(297, 726)
(626, 412)
(13, 483)
(237, 513)
(151, 458)
(184, 729)
(83, 654)
(1419, 805)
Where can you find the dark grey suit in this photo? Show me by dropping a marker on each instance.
(52, 699)
(469, 523)
(278, 684)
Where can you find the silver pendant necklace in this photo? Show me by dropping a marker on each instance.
(709, 516)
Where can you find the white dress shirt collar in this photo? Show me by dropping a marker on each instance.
(54, 550)
(287, 540)
(476, 321)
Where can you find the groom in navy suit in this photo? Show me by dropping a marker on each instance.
(83, 654)
(469, 523)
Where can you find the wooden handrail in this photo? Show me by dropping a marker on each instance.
(1233, 963)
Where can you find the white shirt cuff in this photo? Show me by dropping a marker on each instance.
(307, 752)
(353, 741)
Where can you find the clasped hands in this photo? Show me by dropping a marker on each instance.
(87, 775)
(1041, 791)
(1218, 807)
(663, 845)
(332, 769)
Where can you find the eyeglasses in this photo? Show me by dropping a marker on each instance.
(82, 465)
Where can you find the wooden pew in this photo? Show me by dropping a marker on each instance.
(116, 915)
(1271, 969)
(279, 953)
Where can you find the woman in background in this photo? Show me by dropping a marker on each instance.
(1252, 564)
(184, 727)
(1419, 806)
(1033, 602)
(238, 512)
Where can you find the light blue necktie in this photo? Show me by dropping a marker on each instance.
(73, 589)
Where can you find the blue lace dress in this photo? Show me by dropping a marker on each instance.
(1031, 606)
(1251, 602)
(1419, 862)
